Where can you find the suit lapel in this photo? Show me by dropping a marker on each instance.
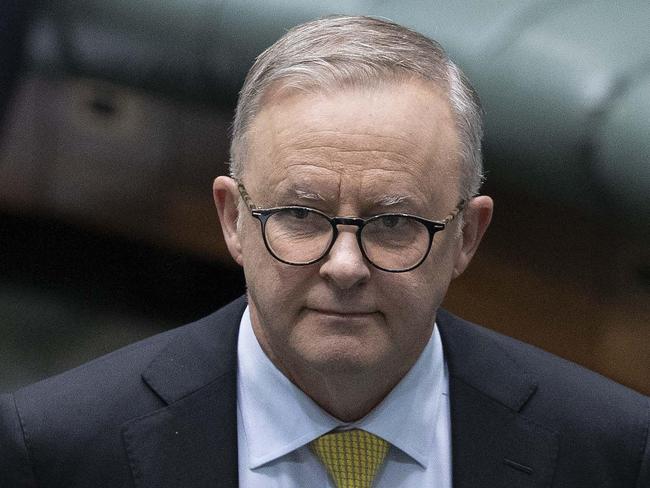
(494, 444)
(192, 442)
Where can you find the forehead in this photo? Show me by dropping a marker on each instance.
(392, 141)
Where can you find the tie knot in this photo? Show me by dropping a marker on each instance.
(352, 457)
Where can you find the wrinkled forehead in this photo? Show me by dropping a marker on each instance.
(330, 84)
(393, 131)
(406, 100)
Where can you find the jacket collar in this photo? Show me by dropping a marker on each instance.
(494, 443)
(200, 354)
(193, 440)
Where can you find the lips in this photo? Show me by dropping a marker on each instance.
(342, 313)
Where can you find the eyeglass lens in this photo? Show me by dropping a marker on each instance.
(395, 242)
(298, 236)
(391, 242)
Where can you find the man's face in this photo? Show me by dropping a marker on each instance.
(354, 152)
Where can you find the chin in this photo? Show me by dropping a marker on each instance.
(342, 356)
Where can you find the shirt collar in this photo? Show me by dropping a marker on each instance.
(406, 418)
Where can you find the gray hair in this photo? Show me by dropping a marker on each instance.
(337, 51)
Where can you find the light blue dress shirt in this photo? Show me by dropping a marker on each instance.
(276, 421)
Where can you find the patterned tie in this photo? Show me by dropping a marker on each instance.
(352, 457)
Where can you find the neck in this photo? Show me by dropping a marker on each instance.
(347, 394)
(346, 397)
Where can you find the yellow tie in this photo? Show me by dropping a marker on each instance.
(352, 457)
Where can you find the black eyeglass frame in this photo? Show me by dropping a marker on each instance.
(263, 215)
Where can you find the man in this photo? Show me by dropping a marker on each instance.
(352, 204)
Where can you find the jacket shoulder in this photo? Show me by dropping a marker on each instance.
(77, 415)
(596, 419)
(115, 379)
(557, 380)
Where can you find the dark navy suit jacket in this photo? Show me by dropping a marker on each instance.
(162, 413)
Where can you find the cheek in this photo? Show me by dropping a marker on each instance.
(420, 292)
(414, 297)
(442, 258)
(274, 285)
(259, 266)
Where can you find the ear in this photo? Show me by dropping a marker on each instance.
(226, 199)
(476, 219)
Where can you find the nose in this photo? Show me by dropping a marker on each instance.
(345, 265)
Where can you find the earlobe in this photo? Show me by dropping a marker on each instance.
(226, 199)
(476, 219)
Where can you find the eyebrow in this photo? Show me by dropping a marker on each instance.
(391, 200)
(383, 201)
(308, 195)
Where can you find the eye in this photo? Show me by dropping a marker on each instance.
(390, 221)
(299, 213)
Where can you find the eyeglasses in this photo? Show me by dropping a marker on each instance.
(392, 242)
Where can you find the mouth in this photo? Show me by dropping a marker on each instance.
(338, 313)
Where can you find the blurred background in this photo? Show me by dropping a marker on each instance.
(114, 119)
